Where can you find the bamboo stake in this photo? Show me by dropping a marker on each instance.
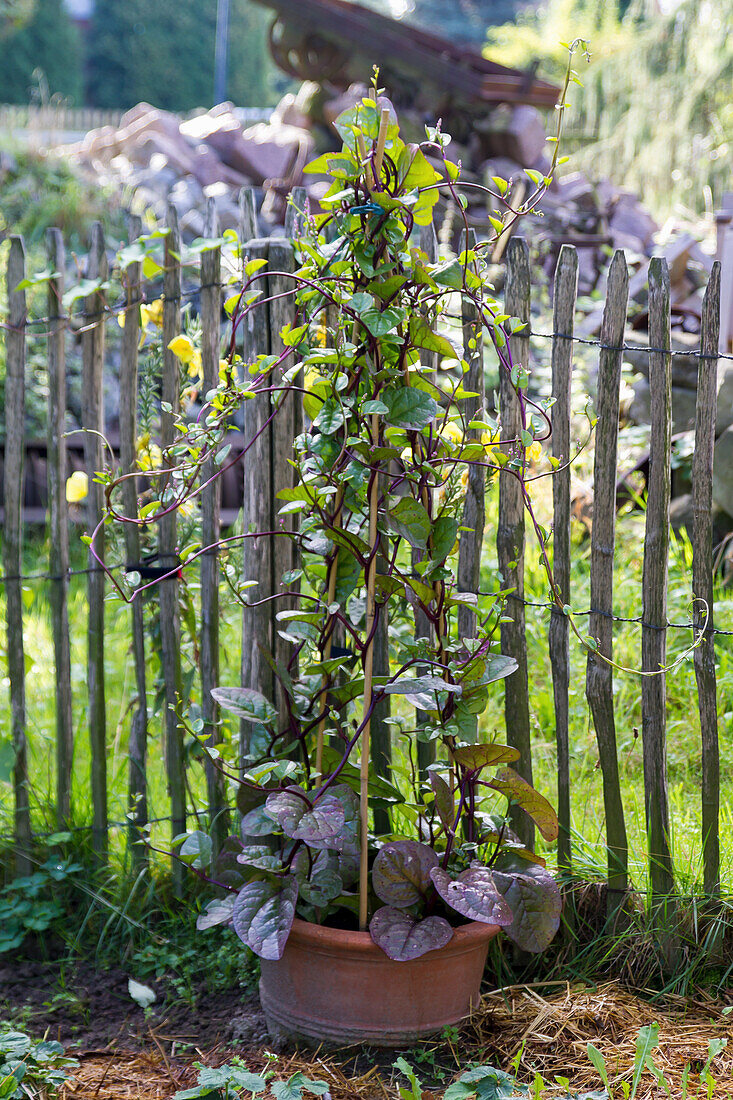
(93, 420)
(137, 798)
(325, 679)
(59, 527)
(702, 580)
(368, 675)
(12, 546)
(566, 289)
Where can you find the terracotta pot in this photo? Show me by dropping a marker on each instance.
(339, 987)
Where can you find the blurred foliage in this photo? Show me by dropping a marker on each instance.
(655, 110)
(461, 21)
(47, 42)
(164, 54)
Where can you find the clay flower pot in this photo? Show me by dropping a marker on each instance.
(338, 987)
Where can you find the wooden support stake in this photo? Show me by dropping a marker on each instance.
(702, 580)
(368, 691)
(654, 588)
(170, 624)
(12, 546)
(510, 533)
(93, 423)
(599, 674)
(210, 532)
(566, 289)
(59, 526)
(137, 751)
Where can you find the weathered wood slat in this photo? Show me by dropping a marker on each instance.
(210, 531)
(654, 585)
(295, 213)
(599, 675)
(170, 624)
(285, 426)
(93, 341)
(474, 505)
(426, 750)
(12, 547)
(510, 532)
(257, 506)
(59, 526)
(702, 580)
(563, 313)
(137, 790)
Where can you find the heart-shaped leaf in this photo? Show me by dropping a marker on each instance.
(401, 937)
(408, 685)
(409, 408)
(347, 841)
(401, 872)
(246, 703)
(410, 520)
(321, 888)
(444, 800)
(511, 784)
(263, 915)
(473, 894)
(301, 819)
(535, 901)
(482, 756)
(218, 911)
(257, 823)
(260, 857)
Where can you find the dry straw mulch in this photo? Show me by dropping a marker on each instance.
(551, 1030)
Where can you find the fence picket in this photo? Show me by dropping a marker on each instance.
(599, 675)
(12, 547)
(210, 530)
(654, 585)
(58, 558)
(137, 797)
(563, 318)
(510, 533)
(702, 580)
(93, 341)
(170, 623)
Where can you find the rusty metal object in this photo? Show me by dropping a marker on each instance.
(323, 39)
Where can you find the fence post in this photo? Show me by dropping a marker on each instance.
(12, 546)
(93, 424)
(59, 525)
(510, 532)
(257, 641)
(137, 798)
(702, 579)
(563, 319)
(426, 750)
(654, 587)
(170, 623)
(210, 530)
(599, 675)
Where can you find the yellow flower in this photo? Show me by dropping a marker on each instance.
(195, 369)
(490, 440)
(317, 390)
(534, 452)
(322, 333)
(77, 487)
(451, 433)
(152, 314)
(149, 455)
(464, 481)
(225, 367)
(182, 347)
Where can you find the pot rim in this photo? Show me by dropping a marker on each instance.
(306, 934)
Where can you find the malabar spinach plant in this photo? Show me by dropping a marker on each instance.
(395, 449)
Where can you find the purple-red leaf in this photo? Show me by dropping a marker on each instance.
(481, 756)
(534, 898)
(402, 938)
(300, 819)
(444, 800)
(474, 894)
(510, 783)
(263, 915)
(401, 872)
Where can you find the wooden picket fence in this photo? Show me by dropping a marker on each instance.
(266, 470)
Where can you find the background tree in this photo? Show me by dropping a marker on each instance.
(47, 42)
(164, 54)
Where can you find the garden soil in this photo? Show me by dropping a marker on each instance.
(125, 1052)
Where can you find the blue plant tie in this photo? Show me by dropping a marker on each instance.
(367, 208)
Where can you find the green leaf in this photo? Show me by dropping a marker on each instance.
(295, 1086)
(410, 519)
(511, 784)
(409, 408)
(331, 417)
(196, 850)
(481, 756)
(646, 1041)
(246, 703)
(445, 533)
(422, 336)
